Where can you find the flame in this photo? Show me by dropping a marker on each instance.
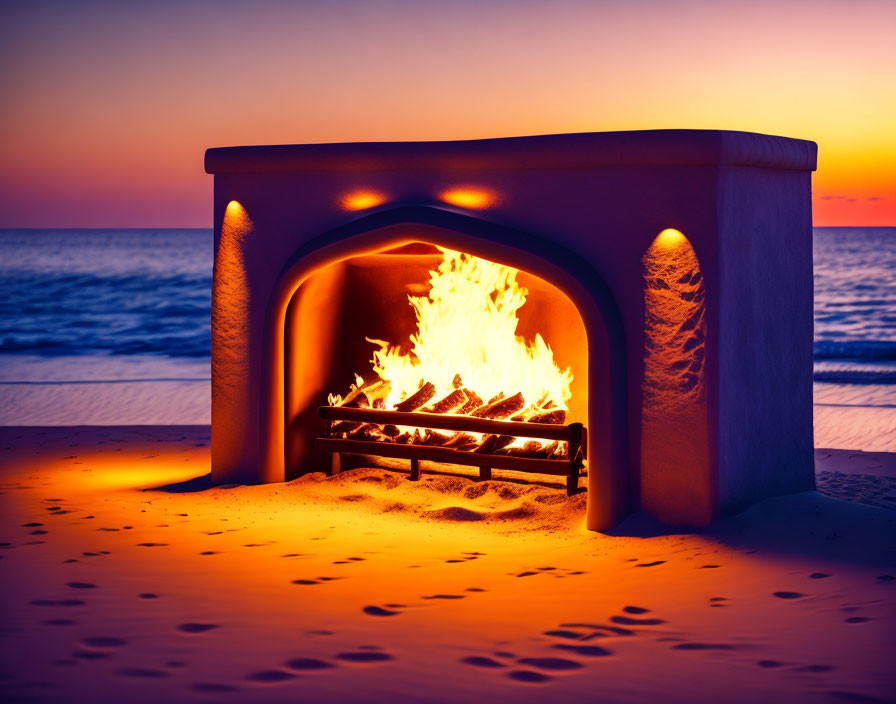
(466, 333)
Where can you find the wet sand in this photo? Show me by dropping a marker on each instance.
(126, 578)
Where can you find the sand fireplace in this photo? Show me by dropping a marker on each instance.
(635, 305)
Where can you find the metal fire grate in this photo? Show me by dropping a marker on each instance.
(574, 434)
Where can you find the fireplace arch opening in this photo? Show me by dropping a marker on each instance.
(354, 284)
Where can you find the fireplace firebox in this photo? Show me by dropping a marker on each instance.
(635, 307)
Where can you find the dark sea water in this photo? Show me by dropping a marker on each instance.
(126, 294)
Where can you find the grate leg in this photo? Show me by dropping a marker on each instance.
(415, 470)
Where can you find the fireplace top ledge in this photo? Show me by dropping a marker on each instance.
(555, 151)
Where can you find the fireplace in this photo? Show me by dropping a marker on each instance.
(635, 307)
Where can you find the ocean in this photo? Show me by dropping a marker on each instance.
(122, 308)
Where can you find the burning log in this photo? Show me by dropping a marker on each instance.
(501, 407)
(452, 401)
(413, 402)
(367, 431)
(531, 448)
(357, 399)
(556, 416)
(431, 437)
(473, 402)
(457, 382)
(493, 443)
(462, 441)
(345, 426)
(391, 431)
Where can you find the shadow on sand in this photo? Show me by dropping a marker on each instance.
(807, 525)
(188, 486)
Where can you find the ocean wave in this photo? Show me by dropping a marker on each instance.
(859, 350)
(855, 376)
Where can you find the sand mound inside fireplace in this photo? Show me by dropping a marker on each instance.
(506, 505)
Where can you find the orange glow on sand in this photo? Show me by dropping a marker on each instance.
(470, 197)
(246, 588)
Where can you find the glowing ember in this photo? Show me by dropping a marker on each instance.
(466, 359)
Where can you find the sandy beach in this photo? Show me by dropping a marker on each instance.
(127, 578)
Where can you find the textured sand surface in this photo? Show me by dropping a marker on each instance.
(125, 578)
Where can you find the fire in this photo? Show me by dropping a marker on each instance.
(466, 357)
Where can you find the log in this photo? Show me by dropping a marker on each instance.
(379, 403)
(555, 417)
(357, 400)
(414, 401)
(431, 437)
(457, 382)
(462, 441)
(367, 431)
(344, 426)
(492, 443)
(502, 408)
(452, 401)
(391, 431)
(473, 402)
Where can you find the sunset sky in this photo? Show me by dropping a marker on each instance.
(106, 108)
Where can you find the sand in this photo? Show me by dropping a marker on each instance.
(126, 578)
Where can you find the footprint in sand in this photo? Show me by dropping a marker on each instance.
(81, 585)
(588, 651)
(788, 595)
(148, 595)
(552, 664)
(629, 621)
(379, 611)
(445, 596)
(196, 627)
(704, 646)
(768, 664)
(635, 609)
(308, 664)
(819, 575)
(104, 642)
(213, 688)
(59, 622)
(561, 633)
(651, 564)
(481, 661)
(364, 656)
(528, 676)
(270, 677)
